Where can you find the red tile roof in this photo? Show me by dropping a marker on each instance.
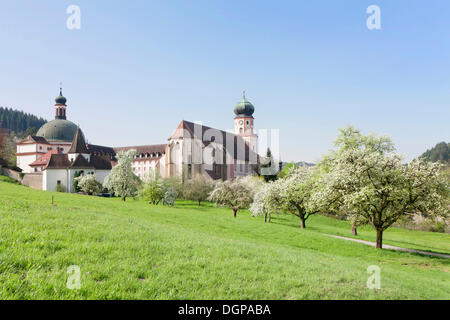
(58, 161)
(42, 161)
(80, 162)
(61, 161)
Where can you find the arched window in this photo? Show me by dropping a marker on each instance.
(174, 154)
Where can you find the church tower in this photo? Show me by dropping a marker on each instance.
(60, 106)
(244, 123)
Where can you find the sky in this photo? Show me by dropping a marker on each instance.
(135, 69)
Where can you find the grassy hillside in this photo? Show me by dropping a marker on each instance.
(134, 250)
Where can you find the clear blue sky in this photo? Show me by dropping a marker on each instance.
(137, 68)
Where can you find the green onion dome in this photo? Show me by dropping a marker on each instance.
(244, 108)
(60, 99)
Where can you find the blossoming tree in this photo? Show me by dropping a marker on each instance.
(266, 201)
(349, 138)
(234, 194)
(291, 194)
(295, 193)
(377, 188)
(122, 181)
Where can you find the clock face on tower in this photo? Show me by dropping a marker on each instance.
(241, 122)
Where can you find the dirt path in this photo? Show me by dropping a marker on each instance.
(386, 246)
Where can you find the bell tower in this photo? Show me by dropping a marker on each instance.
(60, 106)
(244, 122)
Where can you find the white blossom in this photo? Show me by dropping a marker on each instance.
(122, 181)
(234, 194)
(89, 184)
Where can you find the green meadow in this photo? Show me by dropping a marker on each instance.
(133, 250)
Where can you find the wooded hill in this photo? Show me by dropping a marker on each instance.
(439, 152)
(19, 122)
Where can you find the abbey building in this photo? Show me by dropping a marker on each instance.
(59, 151)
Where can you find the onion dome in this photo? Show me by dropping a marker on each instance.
(60, 99)
(244, 108)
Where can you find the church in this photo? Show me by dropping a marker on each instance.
(194, 149)
(59, 150)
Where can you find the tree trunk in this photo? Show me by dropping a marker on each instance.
(354, 231)
(234, 212)
(270, 217)
(265, 218)
(379, 239)
(302, 222)
(199, 203)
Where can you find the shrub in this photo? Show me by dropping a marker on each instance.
(197, 189)
(89, 184)
(177, 186)
(169, 196)
(155, 191)
(76, 188)
(60, 188)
